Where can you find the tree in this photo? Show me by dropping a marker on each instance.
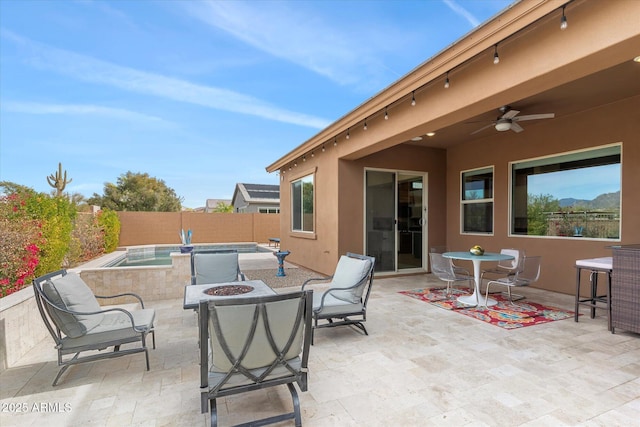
(222, 207)
(138, 192)
(538, 207)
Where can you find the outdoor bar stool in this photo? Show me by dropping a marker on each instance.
(595, 266)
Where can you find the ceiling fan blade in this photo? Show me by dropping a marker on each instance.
(481, 129)
(534, 117)
(516, 127)
(510, 114)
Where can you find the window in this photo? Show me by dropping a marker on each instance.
(573, 194)
(269, 210)
(477, 201)
(302, 204)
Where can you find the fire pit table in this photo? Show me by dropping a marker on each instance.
(193, 294)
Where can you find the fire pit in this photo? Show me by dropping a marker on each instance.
(228, 290)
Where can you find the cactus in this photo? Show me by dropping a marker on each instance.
(58, 181)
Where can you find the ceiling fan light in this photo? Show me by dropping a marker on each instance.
(503, 126)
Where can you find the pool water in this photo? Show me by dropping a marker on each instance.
(162, 255)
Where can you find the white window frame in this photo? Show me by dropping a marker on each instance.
(302, 230)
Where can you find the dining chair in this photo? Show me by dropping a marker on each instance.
(505, 268)
(529, 274)
(456, 268)
(443, 268)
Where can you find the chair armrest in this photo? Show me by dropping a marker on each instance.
(138, 297)
(306, 282)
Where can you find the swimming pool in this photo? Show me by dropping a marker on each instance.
(161, 255)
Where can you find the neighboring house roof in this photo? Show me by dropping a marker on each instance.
(257, 193)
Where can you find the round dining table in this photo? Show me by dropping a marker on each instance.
(476, 299)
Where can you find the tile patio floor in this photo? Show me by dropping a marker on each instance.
(420, 366)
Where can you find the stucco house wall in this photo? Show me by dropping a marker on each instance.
(537, 60)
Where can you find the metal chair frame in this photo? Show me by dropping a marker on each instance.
(240, 378)
(75, 346)
(344, 318)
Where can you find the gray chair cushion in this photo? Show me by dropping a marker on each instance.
(334, 305)
(114, 329)
(349, 272)
(216, 268)
(70, 292)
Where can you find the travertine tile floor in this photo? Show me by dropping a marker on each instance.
(419, 366)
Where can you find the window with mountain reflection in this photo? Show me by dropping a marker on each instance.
(573, 195)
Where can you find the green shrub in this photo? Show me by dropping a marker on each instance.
(56, 215)
(110, 223)
(87, 240)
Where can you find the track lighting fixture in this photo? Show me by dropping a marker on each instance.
(313, 154)
(335, 141)
(386, 115)
(563, 20)
(323, 148)
(413, 98)
(496, 58)
(446, 81)
(304, 158)
(365, 125)
(295, 164)
(348, 132)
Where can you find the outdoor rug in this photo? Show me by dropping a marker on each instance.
(504, 314)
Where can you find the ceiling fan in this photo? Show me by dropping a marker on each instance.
(508, 120)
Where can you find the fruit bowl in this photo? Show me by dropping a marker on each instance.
(476, 250)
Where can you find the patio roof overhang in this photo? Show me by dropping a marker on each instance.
(590, 65)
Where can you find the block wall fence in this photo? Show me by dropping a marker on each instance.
(147, 228)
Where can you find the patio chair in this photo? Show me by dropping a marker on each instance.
(78, 323)
(443, 269)
(506, 268)
(457, 269)
(255, 343)
(344, 303)
(215, 266)
(529, 274)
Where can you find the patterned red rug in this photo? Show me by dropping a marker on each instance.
(504, 314)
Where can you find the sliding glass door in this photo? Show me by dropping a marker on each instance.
(395, 219)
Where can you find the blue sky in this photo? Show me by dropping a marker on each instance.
(199, 94)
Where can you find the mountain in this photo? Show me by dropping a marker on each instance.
(606, 201)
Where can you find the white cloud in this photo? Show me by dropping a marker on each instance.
(462, 12)
(284, 30)
(77, 109)
(101, 72)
